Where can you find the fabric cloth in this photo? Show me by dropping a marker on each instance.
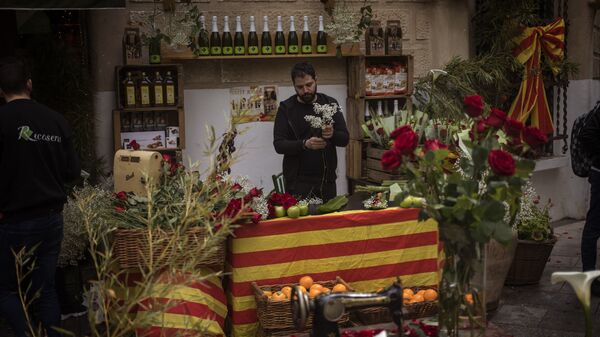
(36, 159)
(591, 229)
(367, 249)
(531, 101)
(45, 234)
(290, 131)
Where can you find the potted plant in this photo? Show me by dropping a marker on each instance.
(535, 240)
(347, 27)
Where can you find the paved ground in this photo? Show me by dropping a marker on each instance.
(548, 310)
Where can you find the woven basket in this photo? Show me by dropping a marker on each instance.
(376, 315)
(130, 247)
(529, 262)
(277, 316)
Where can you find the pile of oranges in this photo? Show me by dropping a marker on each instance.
(410, 297)
(307, 285)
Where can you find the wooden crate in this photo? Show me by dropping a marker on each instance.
(354, 159)
(355, 115)
(374, 170)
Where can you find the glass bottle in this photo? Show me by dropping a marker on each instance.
(306, 39)
(321, 38)
(129, 91)
(239, 46)
(203, 39)
(158, 90)
(144, 90)
(227, 41)
(279, 38)
(169, 89)
(215, 38)
(252, 39)
(266, 42)
(292, 38)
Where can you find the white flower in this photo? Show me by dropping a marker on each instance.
(324, 115)
(580, 281)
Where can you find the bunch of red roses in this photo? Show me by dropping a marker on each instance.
(280, 199)
(235, 205)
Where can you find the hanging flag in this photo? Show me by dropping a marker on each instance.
(531, 102)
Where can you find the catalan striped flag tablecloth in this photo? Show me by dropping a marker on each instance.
(368, 249)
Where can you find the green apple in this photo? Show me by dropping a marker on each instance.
(411, 201)
(407, 202)
(279, 211)
(303, 210)
(293, 212)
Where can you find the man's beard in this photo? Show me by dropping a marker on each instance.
(309, 97)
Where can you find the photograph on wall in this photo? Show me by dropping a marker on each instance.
(254, 103)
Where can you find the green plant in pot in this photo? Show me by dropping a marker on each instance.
(535, 239)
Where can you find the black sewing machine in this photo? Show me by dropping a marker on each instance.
(327, 309)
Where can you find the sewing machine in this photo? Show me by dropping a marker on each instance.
(327, 309)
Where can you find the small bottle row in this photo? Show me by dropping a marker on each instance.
(139, 90)
(381, 109)
(217, 44)
(144, 120)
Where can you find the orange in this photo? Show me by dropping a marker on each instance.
(420, 292)
(267, 293)
(287, 291)
(306, 282)
(469, 298)
(430, 295)
(417, 298)
(407, 292)
(339, 288)
(278, 296)
(316, 286)
(325, 290)
(314, 292)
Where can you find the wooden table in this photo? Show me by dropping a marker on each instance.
(368, 249)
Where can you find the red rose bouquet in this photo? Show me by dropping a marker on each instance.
(470, 187)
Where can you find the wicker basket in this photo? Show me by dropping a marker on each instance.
(376, 315)
(529, 262)
(130, 247)
(277, 317)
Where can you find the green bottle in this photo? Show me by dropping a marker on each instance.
(321, 38)
(203, 39)
(252, 39)
(215, 39)
(239, 46)
(306, 39)
(279, 38)
(292, 38)
(227, 41)
(266, 45)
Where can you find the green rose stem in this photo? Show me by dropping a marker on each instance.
(581, 283)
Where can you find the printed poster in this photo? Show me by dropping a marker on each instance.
(254, 103)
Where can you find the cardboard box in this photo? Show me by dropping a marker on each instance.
(149, 140)
(172, 137)
(132, 169)
(172, 131)
(393, 38)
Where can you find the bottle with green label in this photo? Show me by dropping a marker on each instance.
(203, 39)
(144, 90)
(130, 95)
(252, 39)
(306, 39)
(227, 41)
(158, 90)
(279, 38)
(215, 38)
(239, 46)
(266, 44)
(292, 38)
(321, 38)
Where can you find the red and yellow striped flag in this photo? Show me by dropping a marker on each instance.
(531, 100)
(368, 249)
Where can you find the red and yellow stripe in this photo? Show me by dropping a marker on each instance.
(368, 249)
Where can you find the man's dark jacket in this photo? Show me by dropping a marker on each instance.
(290, 132)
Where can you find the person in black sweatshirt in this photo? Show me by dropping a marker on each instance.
(591, 230)
(309, 158)
(37, 158)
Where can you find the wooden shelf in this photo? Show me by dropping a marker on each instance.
(151, 108)
(373, 98)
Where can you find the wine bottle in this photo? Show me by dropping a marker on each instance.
(170, 89)
(266, 43)
(379, 109)
(144, 90)
(321, 38)
(203, 39)
(279, 38)
(292, 38)
(239, 46)
(252, 39)
(158, 90)
(215, 39)
(306, 39)
(396, 112)
(227, 41)
(367, 112)
(129, 87)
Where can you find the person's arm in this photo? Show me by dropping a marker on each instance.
(284, 141)
(340, 137)
(590, 135)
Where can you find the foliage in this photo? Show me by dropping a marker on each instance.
(533, 221)
(348, 24)
(176, 28)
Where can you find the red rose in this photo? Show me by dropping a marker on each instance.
(534, 137)
(481, 127)
(166, 157)
(255, 192)
(134, 145)
(496, 118)
(501, 162)
(256, 217)
(271, 210)
(119, 209)
(233, 208)
(380, 131)
(121, 195)
(391, 159)
(434, 144)
(474, 105)
(400, 131)
(406, 142)
(513, 127)
(236, 187)
(370, 127)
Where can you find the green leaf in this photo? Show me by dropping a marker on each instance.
(441, 154)
(454, 233)
(494, 211)
(480, 155)
(524, 168)
(503, 233)
(430, 156)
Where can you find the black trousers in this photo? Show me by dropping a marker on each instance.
(591, 230)
(303, 189)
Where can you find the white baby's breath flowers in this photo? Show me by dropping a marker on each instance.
(324, 115)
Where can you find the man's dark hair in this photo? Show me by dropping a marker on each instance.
(13, 75)
(302, 69)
